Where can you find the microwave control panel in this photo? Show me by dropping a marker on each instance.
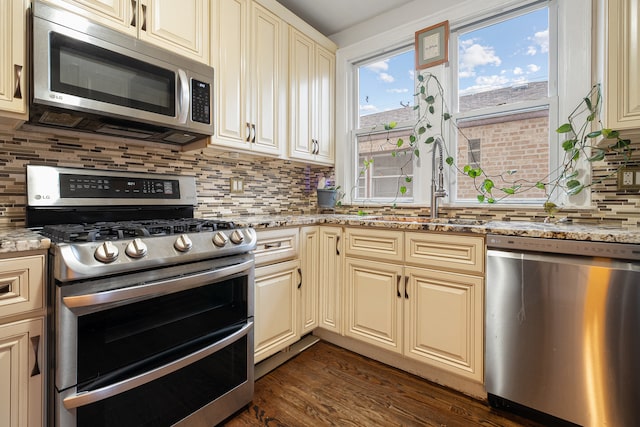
(200, 101)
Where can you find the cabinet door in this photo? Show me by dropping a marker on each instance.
(276, 308)
(21, 285)
(13, 48)
(301, 69)
(444, 320)
(178, 26)
(230, 35)
(373, 298)
(623, 65)
(324, 105)
(268, 79)
(120, 15)
(310, 254)
(330, 279)
(21, 370)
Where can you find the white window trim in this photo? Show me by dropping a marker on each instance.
(573, 82)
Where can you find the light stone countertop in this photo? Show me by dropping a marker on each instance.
(22, 239)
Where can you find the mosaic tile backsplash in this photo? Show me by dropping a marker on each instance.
(272, 186)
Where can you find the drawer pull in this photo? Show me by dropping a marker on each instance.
(338, 245)
(398, 287)
(272, 245)
(5, 289)
(300, 273)
(406, 284)
(134, 8)
(35, 343)
(144, 18)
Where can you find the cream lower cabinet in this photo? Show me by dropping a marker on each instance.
(426, 305)
(179, 26)
(330, 279)
(310, 272)
(22, 361)
(276, 308)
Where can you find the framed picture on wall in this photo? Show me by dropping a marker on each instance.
(432, 45)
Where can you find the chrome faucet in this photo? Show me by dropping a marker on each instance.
(437, 191)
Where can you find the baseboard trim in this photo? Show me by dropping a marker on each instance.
(272, 362)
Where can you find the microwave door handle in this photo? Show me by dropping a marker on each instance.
(183, 96)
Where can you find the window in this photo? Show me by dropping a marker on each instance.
(503, 100)
(385, 93)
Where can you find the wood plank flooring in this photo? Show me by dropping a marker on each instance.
(330, 386)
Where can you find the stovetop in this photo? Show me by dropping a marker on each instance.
(118, 230)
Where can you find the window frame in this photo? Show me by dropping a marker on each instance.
(574, 53)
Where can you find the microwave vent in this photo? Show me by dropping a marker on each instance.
(125, 132)
(55, 118)
(180, 138)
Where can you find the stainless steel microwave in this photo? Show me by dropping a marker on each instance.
(90, 78)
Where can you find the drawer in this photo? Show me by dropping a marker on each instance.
(21, 285)
(275, 245)
(385, 245)
(446, 251)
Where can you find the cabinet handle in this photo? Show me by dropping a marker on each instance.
(5, 288)
(338, 246)
(35, 343)
(300, 273)
(406, 284)
(398, 287)
(248, 132)
(253, 133)
(134, 12)
(144, 18)
(17, 70)
(272, 245)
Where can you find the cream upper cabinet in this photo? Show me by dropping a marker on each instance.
(179, 26)
(13, 51)
(311, 100)
(249, 55)
(330, 279)
(22, 361)
(622, 64)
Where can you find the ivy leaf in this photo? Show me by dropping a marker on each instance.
(512, 171)
(393, 154)
(480, 198)
(403, 190)
(466, 169)
(431, 109)
(508, 190)
(573, 183)
(446, 116)
(597, 157)
(591, 117)
(416, 152)
(594, 134)
(569, 144)
(588, 102)
(569, 176)
(420, 77)
(430, 99)
(412, 138)
(540, 185)
(400, 142)
(430, 140)
(429, 125)
(449, 160)
(565, 128)
(488, 185)
(575, 190)
(408, 179)
(491, 200)
(421, 130)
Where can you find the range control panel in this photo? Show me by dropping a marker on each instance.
(88, 186)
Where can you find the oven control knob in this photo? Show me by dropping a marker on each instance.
(220, 239)
(183, 243)
(136, 248)
(236, 237)
(106, 252)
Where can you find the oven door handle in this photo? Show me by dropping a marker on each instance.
(152, 289)
(88, 397)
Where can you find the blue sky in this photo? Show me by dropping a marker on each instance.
(505, 54)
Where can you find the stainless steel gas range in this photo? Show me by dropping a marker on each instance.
(151, 310)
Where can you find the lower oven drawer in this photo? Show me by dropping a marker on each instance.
(198, 394)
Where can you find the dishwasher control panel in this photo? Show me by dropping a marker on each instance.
(625, 251)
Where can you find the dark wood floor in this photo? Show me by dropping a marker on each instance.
(329, 386)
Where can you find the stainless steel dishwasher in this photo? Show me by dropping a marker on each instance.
(563, 328)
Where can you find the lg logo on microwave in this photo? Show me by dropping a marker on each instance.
(56, 97)
(43, 197)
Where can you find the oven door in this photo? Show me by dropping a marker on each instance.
(156, 348)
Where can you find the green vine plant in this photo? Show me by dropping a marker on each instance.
(586, 138)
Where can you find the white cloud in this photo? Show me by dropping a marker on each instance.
(465, 74)
(518, 71)
(540, 41)
(368, 108)
(532, 68)
(474, 55)
(486, 83)
(387, 78)
(378, 67)
(404, 90)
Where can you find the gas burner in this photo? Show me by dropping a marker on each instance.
(103, 231)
